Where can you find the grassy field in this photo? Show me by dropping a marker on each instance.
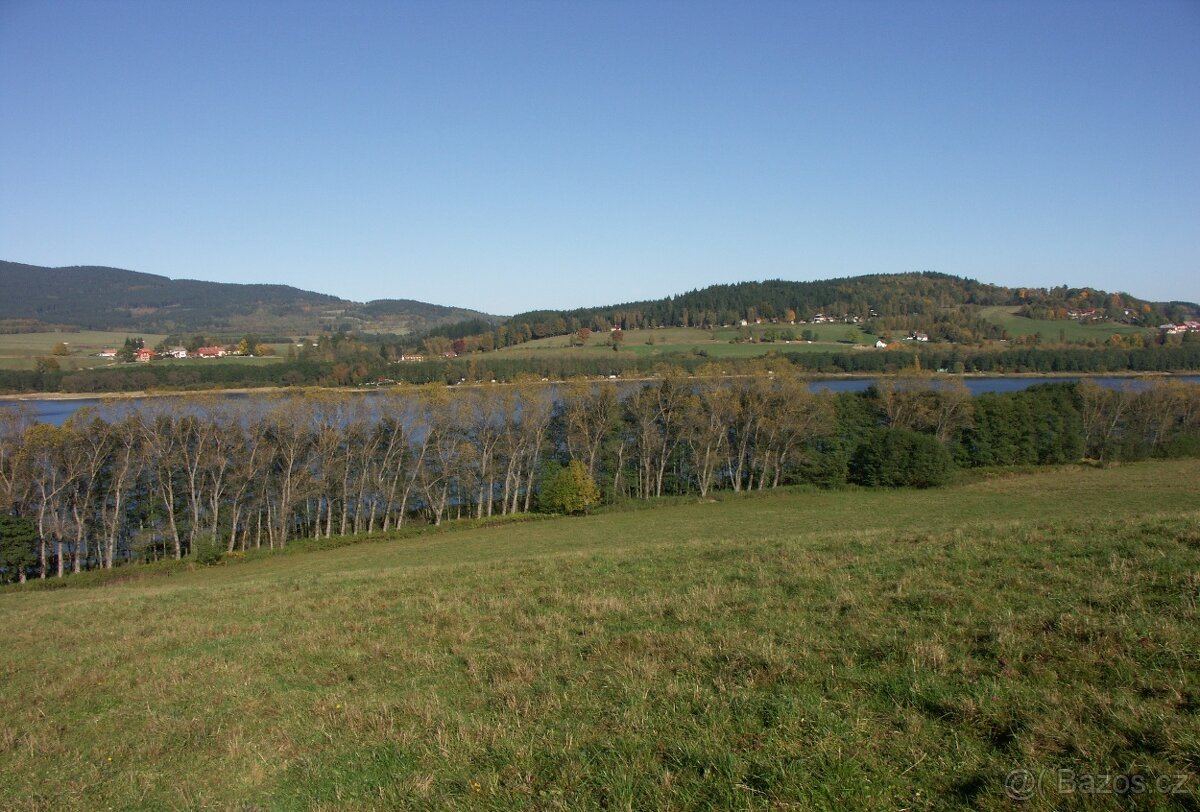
(715, 343)
(21, 350)
(1069, 329)
(792, 650)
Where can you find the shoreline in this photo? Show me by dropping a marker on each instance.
(269, 390)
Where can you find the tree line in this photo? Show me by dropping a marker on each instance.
(352, 362)
(209, 475)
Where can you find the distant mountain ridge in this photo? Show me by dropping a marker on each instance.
(104, 298)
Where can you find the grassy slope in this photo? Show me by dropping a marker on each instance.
(21, 350)
(1050, 328)
(795, 650)
(685, 339)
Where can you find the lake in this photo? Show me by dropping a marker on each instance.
(57, 411)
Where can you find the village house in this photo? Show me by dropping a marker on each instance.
(177, 352)
(210, 352)
(110, 353)
(144, 355)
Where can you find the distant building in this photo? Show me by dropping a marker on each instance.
(881, 344)
(177, 352)
(144, 356)
(211, 352)
(107, 354)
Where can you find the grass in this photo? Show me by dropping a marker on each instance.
(716, 343)
(21, 350)
(1051, 329)
(791, 650)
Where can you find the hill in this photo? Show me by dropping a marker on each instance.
(101, 298)
(795, 650)
(943, 306)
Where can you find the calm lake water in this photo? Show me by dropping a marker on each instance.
(57, 411)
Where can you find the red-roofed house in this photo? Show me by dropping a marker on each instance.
(210, 352)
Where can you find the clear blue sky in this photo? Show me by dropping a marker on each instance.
(512, 155)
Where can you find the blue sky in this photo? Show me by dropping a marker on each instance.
(515, 155)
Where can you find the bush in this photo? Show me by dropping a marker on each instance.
(18, 538)
(208, 550)
(894, 458)
(1183, 445)
(826, 465)
(569, 489)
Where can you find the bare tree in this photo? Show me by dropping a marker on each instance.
(290, 438)
(1103, 412)
(13, 424)
(590, 413)
(42, 463)
(124, 465)
(705, 434)
(161, 443)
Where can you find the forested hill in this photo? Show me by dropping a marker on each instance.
(889, 300)
(101, 298)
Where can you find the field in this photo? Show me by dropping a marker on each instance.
(791, 650)
(715, 343)
(1069, 329)
(21, 350)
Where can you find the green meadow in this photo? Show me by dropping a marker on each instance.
(1051, 329)
(21, 350)
(799, 649)
(716, 343)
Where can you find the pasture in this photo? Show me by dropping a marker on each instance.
(1054, 330)
(799, 649)
(715, 343)
(21, 350)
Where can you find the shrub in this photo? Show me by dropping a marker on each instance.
(894, 458)
(569, 489)
(17, 539)
(825, 465)
(208, 550)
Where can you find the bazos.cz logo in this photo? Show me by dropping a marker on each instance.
(1023, 784)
